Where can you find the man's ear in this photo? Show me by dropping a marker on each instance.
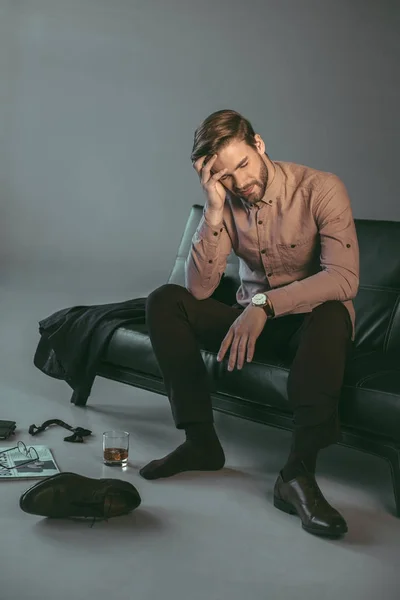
(259, 143)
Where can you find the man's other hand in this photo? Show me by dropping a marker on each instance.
(242, 335)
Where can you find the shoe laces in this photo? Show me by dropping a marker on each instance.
(98, 504)
(313, 486)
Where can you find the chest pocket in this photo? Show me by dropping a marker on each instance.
(300, 254)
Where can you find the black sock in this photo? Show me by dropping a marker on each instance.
(202, 451)
(298, 464)
(200, 433)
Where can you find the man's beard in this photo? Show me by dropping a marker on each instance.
(261, 184)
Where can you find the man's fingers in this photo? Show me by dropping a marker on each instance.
(242, 351)
(204, 164)
(250, 349)
(197, 165)
(205, 172)
(226, 342)
(203, 167)
(233, 354)
(217, 176)
(238, 343)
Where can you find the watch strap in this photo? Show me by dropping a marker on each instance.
(269, 309)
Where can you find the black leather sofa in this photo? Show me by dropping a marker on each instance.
(370, 402)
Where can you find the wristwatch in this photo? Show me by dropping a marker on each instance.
(264, 302)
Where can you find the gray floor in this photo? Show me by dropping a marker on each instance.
(195, 536)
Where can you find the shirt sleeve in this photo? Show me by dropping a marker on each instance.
(339, 259)
(206, 263)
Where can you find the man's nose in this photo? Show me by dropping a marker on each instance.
(240, 182)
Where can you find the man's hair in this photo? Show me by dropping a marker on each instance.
(220, 129)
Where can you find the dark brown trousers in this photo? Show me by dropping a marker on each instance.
(318, 344)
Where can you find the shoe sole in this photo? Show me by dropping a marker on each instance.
(123, 485)
(290, 510)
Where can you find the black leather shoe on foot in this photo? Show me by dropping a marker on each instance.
(303, 497)
(70, 495)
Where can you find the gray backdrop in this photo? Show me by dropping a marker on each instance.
(99, 100)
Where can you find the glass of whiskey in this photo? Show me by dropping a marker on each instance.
(115, 448)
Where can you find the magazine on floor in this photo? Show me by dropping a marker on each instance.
(14, 464)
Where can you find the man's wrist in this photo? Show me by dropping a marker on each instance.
(214, 218)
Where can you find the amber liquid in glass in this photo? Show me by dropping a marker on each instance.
(116, 455)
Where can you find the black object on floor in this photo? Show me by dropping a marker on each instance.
(7, 428)
(78, 432)
(69, 495)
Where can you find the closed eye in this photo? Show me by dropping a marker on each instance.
(241, 167)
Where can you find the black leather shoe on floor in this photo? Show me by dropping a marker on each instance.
(303, 497)
(70, 495)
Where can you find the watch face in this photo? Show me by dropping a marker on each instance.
(259, 299)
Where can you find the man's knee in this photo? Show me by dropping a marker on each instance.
(333, 314)
(167, 293)
(331, 308)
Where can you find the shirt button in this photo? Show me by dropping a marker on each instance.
(263, 251)
(260, 222)
(270, 201)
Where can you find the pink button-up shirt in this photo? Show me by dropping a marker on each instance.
(299, 244)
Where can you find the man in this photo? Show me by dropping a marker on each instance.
(292, 228)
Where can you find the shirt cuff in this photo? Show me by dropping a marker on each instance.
(209, 233)
(283, 301)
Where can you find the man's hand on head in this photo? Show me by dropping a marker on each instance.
(213, 188)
